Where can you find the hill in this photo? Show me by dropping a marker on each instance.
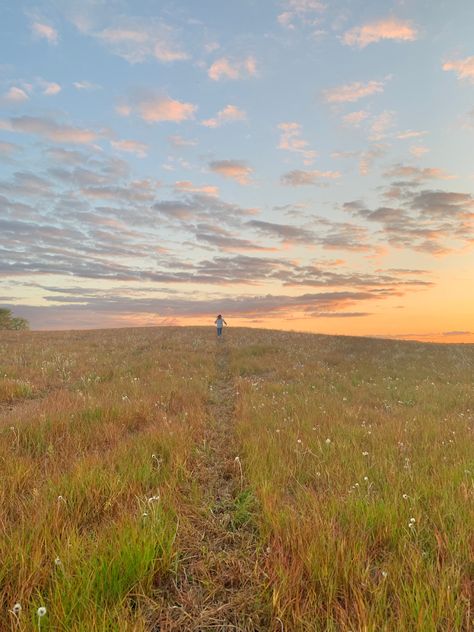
(160, 479)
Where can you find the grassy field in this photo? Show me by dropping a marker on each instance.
(158, 479)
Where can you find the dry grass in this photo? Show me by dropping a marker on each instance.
(123, 507)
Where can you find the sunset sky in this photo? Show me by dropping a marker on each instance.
(294, 164)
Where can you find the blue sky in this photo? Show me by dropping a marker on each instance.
(296, 164)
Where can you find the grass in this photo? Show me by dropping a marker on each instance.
(355, 473)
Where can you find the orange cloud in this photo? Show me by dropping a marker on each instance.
(185, 186)
(223, 68)
(301, 178)
(236, 170)
(155, 109)
(351, 92)
(228, 114)
(464, 68)
(355, 118)
(291, 140)
(391, 28)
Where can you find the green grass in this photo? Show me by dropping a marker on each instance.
(357, 475)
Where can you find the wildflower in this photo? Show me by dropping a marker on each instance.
(58, 562)
(328, 441)
(366, 478)
(277, 430)
(365, 454)
(384, 574)
(144, 514)
(152, 499)
(61, 499)
(405, 496)
(299, 441)
(16, 609)
(41, 611)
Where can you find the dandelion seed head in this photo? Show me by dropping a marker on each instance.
(405, 496)
(328, 441)
(16, 608)
(58, 562)
(41, 611)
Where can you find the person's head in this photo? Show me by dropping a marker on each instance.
(219, 316)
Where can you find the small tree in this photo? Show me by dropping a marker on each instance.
(8, 321)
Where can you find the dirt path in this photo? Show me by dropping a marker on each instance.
(219, 580)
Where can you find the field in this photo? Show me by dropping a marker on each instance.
(161, 480)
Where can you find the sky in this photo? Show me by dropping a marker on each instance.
(295, 164)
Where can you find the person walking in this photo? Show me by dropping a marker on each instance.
(219, 322)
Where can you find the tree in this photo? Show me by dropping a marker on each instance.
(8, 321)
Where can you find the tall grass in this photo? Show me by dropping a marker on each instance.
(355, 466)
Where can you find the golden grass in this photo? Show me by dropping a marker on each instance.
(356, 486)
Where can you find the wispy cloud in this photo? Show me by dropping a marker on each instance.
(137, 40)
(45, 31)
(85, 85)
(304, 11)
(178, 141)
(131, 146)
(418, 174)
(290, 140)
(225, 68)
(15, 95)
(299, 177)
(464, 68)
(351, 92)
(381, 125)
(387, 29)
(237, 170)
(354, 119)
(52, 130)
(228, 114)
(185, 186)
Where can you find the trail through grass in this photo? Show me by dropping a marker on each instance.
(219, 584)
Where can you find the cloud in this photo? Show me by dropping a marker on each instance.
(138, 39)
(368, 158)
(229, 114)
(354, 119)
(131, 146)
(50, 88)
(301, 10)
(185, 186)
(290, 140)
(456, 333)
(299, 177)
(381, 124)
(15, 95)
(52, 130)
(464, 68)
(159, 108)
(411, 134)
(237, 170)
(178, 141)
(224, 68)
(45, 31)
(351, 92)
(428, 221)
(417, 174)
(418, 150)
(388, 29)
(85, 85)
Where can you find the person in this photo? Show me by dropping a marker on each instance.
(220, 322)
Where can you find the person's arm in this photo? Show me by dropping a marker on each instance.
(224, 322)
